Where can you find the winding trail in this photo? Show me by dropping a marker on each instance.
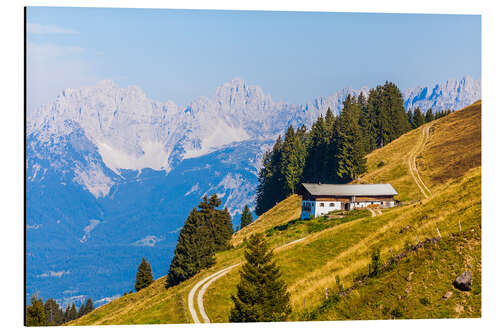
(372, 211)
(412, 162)
(206, 282)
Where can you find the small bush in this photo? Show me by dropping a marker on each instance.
(424, 301)
(376, 263)
(397, 312)
(380, 164)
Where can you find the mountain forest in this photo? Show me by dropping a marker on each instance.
(334, 149)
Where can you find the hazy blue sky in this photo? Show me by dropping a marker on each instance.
(295, 56)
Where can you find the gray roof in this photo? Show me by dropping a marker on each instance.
(350, 189)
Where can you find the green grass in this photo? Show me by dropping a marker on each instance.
(391, 296)
(297, 228)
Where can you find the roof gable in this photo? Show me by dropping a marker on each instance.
(349, 189)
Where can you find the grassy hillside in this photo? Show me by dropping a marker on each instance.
(449, 164)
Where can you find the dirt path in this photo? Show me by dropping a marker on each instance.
(375, 211)
(412, 162)
(206, 282)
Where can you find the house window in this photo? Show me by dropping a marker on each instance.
(332, 204)
(322, 205)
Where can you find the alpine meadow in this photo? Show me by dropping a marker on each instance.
(298, 199)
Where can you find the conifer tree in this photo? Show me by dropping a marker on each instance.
(224, 229)
(144, 276)
(292, 162)
(261, 293)
(194, 250)
(73, 313)
(429, 116)
(53, 313)
(218, 222)
(351, 160)
(318, 141)
(409, 116)
(89, 306)
(418, 118)
(66, 314)
(270, 186)
(246, 217)
(35, 313)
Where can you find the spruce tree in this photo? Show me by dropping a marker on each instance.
(314, 170)
(246, 217)
(409, 116)
(224, 229)
(66, 314)
(88, 307)
(53, 313)
(351, 160)
(261, 293)
(429, 116)
(73, 313)
(270, 181)
(292, 162)
(418, 118)
(35, 313)
(144, 276)
(194, 250)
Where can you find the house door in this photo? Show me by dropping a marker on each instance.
(346, 206)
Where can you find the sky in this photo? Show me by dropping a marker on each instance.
(179, 55)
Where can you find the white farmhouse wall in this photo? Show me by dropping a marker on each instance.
(313, 209)
(325, 207)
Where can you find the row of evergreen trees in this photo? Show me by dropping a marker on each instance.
(50, 314)
(417, 118)
(206, 230)
(334, 149)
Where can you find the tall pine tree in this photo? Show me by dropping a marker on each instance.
(246, 217)
(144, 276)
(261, 293)
(292, 161)
(194, 250)
(35, 313)
(429, 116)
(350, 156)
(53, 313)
(270, 181)
(418, 118)
(73, 313)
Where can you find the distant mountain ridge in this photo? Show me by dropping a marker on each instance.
(452, 94)
(133, 132)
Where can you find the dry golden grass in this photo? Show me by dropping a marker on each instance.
(454, 146)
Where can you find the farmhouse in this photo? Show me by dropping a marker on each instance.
(320, 199)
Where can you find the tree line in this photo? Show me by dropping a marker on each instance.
(50, 313)
(334, 149)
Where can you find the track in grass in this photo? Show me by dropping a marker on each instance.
(206, 282)
(412, 163)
